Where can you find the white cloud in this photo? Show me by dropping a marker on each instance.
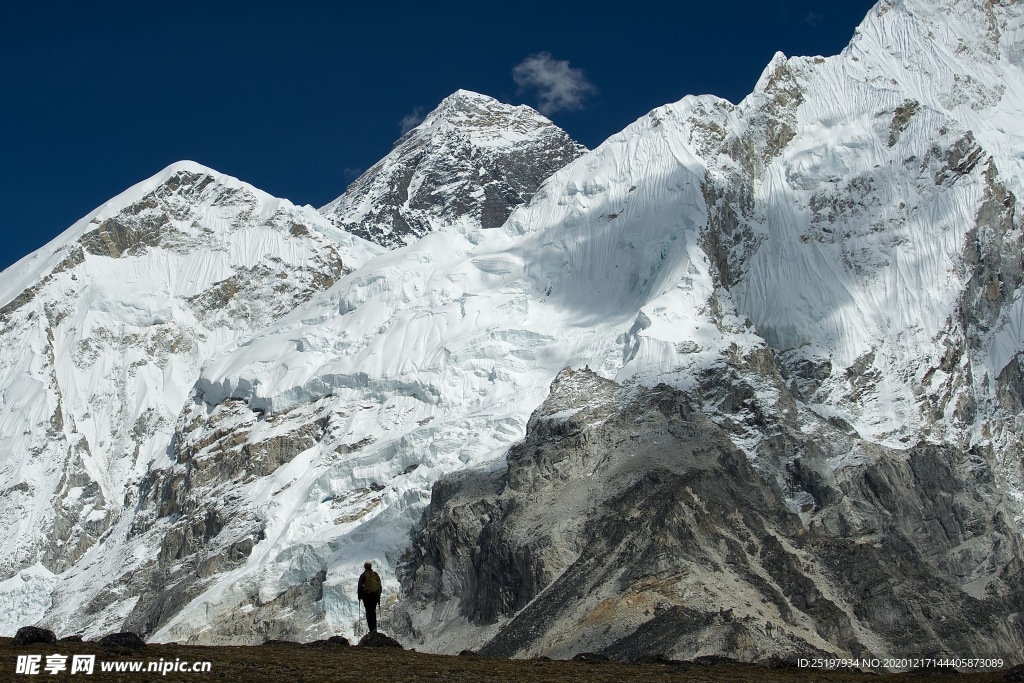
(558, 86)
(411, 120)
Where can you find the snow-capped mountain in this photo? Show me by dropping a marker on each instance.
(105, 330)
(861, 220)
(790, 424)
(466, 166)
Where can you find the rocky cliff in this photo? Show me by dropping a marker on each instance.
(629, 523)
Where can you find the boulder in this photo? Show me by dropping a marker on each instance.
(30, 635)
(657, 660)
(125, 639)
(377, 639)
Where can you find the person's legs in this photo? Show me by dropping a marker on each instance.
(371, 615)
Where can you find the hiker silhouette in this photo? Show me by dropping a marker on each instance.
(369, 593)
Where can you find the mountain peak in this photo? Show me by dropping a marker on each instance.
(921, 36)
(462, 97)
(483, 117)
(35, 266)
(189, 166)
(470, 162)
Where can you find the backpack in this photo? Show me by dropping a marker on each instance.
(371, 584)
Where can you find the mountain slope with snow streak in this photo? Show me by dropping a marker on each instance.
(895, 176)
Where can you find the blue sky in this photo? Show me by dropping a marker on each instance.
(297, 98)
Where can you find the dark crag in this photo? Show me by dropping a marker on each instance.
(644, 531)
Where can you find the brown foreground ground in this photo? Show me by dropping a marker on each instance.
(273, 663)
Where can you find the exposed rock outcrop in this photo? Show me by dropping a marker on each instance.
(333, 641)
(645, 531)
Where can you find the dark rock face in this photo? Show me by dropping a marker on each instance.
(377, 639)
(643, 531)
(125, 639)
(30, 635)
(472, 158)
